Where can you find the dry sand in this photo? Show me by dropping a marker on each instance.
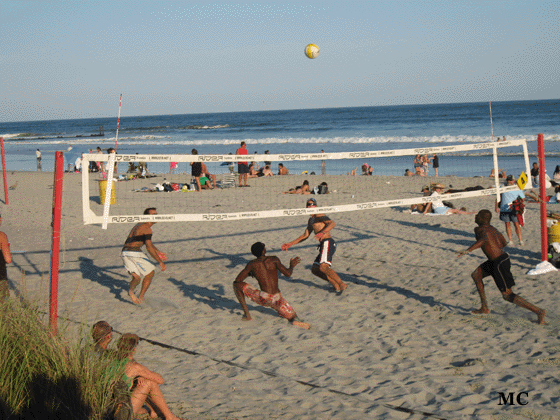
(402, 335)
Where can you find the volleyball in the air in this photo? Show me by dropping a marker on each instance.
(312, 51)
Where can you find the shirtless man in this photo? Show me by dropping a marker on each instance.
(282, 170)
(136, 262)
(265, 270)
(321, 225)
(498, 265)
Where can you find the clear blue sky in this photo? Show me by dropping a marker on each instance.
(71, 59)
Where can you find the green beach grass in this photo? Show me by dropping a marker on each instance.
(46, 376)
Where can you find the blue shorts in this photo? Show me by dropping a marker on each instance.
(440, 210)
(507, 216)
(327, 248)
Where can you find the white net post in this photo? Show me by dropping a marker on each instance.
(108, 190)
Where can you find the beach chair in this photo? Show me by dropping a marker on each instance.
(226, 181)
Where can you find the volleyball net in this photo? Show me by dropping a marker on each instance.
(165, 182)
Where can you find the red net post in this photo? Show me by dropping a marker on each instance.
(4, 171)
(55, 249)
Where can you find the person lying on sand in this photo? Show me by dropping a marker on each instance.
(265, 270)
(303, 189)
(492, 243)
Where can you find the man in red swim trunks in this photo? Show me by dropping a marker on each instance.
(265, 270)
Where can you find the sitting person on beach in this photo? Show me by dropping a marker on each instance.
(202, 181)
(492, 243)
(300, 189)
(253, 173)
(141, 381)
(365, 167)
(208, 175)
(501, 173)
(408, 172)
(265, 270)
(437, 205)
(420, 207)
(102, 334)
(267, 171)
(282, 170)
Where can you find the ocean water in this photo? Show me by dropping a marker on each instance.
(295, 131)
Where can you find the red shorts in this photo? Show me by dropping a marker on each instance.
(276, 302)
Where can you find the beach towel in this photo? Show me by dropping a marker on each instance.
(518, 207)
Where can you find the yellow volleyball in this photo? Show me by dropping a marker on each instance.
(311, 51)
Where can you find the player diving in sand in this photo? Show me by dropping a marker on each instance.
(136, 262)
(492, 242)
(265, 270)
(322, 226)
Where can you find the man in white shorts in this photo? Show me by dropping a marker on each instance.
(137, 262)
(438, 206)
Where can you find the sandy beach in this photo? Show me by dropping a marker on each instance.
(402, 335)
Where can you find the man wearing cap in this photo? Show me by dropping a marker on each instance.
(321, 225)
(136, 262)
(265, 270)
(420, 206)
(437, 205)
(492, 243)
(507, 214)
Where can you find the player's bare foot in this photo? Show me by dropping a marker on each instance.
(246, 318)
(482, 311)
(343, 287)
(300, 324)
(134, 298)
(541, 315)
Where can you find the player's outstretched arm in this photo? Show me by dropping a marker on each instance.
(302, 238)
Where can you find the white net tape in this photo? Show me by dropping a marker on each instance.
(91, 218)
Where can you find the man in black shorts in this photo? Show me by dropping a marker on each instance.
(243, 167)
(321, 225)
(498, 265)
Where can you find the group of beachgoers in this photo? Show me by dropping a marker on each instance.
(422, 165)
